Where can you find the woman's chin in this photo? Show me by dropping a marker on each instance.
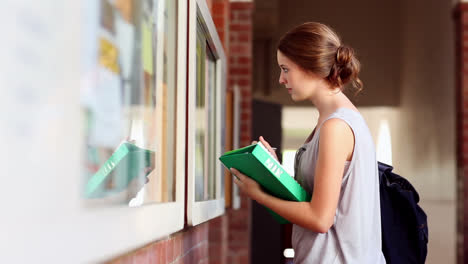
(296, 98)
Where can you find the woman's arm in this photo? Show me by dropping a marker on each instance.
(336, 145)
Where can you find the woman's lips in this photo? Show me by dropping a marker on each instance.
(289, 90)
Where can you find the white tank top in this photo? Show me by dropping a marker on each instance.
(355, 236)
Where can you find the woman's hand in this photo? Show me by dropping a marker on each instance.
(248, 186)
(268, 147)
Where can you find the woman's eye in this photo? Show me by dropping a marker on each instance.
(285, 70)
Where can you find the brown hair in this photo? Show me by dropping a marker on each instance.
(316, 48)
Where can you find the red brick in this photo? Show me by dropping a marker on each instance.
(465, 41)
(187, 241)
(177, 246)
(141, 256)
(246, 93)
(219, 22)
(244, 16)
(179, 261)
(152, 258)
(215, 231)
(200, 252)
(241, 27)
(202, 235)
(244, 59)
(241, 18)
(240, 70)
(198, 236)
(244, 259)
(246, 104)
(189, 258)
(163, 256)
(221, 38)
(233, 260)
(244, 127)
(244, 37)
(218, 8)
(156, 252)
(465, 19)
(239, 49)
(232, 82)
(169, 250)
(462, 6)
(242, 5)
(244, 82)
(245, 116)
(115, 261)
(232, 16)
(126, 259)
(233, 37)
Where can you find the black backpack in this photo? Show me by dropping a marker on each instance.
(404, 224)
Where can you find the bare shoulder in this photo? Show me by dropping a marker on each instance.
(337, 135)
(336, 126)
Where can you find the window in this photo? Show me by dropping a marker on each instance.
(130, 108)
(207, 67)
(205, 122)
(134, 105)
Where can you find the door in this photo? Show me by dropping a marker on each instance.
(268, 238)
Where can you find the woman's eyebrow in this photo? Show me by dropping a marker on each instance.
(282, 65)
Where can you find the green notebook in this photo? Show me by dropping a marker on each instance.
(256, 162)
(126, 163)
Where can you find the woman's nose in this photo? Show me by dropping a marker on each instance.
(282, 80)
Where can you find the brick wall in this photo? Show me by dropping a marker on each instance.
(188, 246)
(219, 227)
(225, 239)
(461, 71)
(220, 13)
(240, 62)
(240, 74)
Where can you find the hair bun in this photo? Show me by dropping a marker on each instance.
(346, 68)
(344, 55)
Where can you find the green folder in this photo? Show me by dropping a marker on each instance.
(256, 162)
(126, 163)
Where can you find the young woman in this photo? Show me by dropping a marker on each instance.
(337, 163)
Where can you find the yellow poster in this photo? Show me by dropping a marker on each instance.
(108, 56)
(147, 47)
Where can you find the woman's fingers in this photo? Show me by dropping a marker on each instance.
(267, 145)
(238, 178)
(253, 142)
(236, 174)
(237, 181)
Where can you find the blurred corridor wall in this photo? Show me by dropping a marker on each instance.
(426, 153)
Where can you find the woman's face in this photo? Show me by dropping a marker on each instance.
(301, 85)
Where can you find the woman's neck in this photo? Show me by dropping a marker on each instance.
(327, 101)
